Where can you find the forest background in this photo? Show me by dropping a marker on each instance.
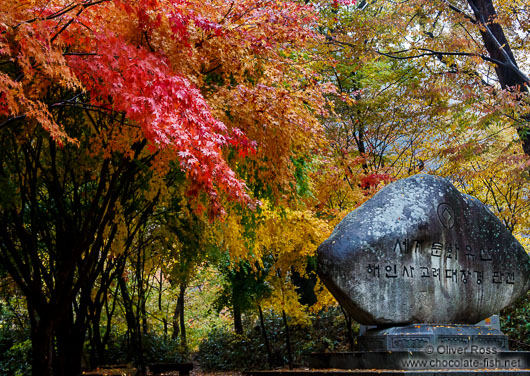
(169, 167)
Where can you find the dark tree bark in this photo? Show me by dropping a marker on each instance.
(238, 322)
(496, 44)
(42, 343)
(176, 321)
(265, 336)
(349, 331)
(179, 322)
(180, 303)
(495, 41)
(133, 324)
(288, 341)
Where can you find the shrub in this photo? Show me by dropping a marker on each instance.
(224, 350)
(156, 349)
(515, 323)
(15, 352)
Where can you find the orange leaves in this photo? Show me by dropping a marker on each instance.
(242, 55)
(271, 24)
(38, 66)
(150, 59)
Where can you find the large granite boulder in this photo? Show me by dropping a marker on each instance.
(420, 251)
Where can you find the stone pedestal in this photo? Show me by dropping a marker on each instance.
(436, 338)
(438, 372)
(424, 348)
(420, 361)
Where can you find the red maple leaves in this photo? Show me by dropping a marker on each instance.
(106, 55)
(373, 180)
(170, 110)
(337, 3)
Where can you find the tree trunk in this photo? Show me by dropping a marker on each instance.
(70, 338)
(145, 328)
(238, 322)
(93, 326)
(132, 323)
(106, 336)
(176, 321)
(348, 320)
(42, 347)
(496, 43)
(97, 355)
(180, 303)
(265, 337)
(288, 341)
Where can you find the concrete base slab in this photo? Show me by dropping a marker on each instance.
(306, 372)
(442, 357)
(419, 337)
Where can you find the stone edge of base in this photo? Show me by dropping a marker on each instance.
(382, 372)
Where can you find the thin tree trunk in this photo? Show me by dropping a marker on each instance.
(348, 320)
(160, 286)
(288, 341)
(176, 321)
(132, 323)
(109, 314)
(145, 328)
(180, 302)
(265, 337)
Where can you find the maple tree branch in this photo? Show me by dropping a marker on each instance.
(228, 12)
(147, 41)
(460, 11)
(429, 52)
(469, 35)
(10, 119)
(66, 25)
(61, 12)
(91, 107)
(80, 54)
(212, 69)
(426, 52)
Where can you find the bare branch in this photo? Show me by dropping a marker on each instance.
(80, 54)
(10, 119)
(429, 52)
(460, 11)
(61, 12)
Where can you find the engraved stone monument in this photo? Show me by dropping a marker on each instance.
(424, 263)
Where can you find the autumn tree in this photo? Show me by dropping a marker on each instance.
(100, 99)
(475, 43)
(188, 244)
(477, 47)
(405, 74)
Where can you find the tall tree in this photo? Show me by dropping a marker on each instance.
(462, 41)
(99, 100)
